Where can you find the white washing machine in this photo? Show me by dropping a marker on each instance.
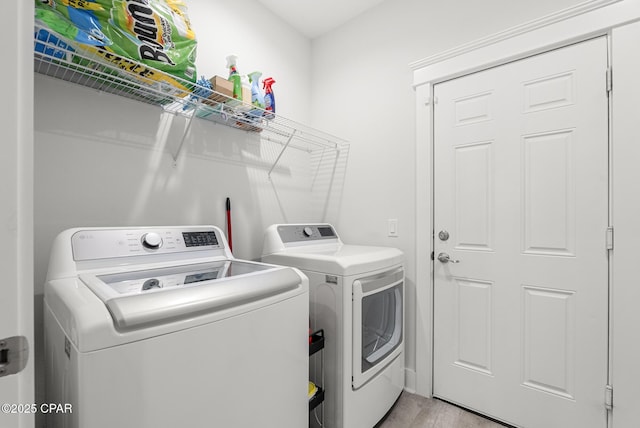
(357, 297)
(161, 327)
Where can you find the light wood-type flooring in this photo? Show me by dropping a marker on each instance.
(413, 411)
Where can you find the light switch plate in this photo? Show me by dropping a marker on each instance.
(392, 228)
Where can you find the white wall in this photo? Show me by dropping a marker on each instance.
(103, 160)
(362, 92)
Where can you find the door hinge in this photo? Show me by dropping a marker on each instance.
(609, 80)
(610, 238)
(14, 354)
(608, 397)
(433, 256)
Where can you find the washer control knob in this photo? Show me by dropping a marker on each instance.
(150, 284)
(151, 240)
(307, 231)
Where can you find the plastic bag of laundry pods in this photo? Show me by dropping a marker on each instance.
(139, 36)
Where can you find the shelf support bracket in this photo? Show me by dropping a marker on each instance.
(186, 131)
(281, 152)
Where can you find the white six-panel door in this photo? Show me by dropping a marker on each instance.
(521, 188)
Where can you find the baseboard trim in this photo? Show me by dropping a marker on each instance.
(410, 380)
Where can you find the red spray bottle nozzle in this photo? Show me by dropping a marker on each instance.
(266, 84)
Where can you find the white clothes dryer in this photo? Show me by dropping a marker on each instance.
(357, 297)
(161, 327)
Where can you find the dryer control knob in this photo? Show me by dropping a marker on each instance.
(307, 231)
(151, 240)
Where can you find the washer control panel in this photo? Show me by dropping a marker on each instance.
(110, 243)
(304, 232)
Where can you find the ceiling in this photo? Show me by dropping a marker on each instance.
(314, 18)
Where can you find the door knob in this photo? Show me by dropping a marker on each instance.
(444, 258)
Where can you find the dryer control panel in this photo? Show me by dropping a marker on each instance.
(303, 232)
(112, 243)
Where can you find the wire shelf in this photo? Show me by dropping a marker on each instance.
(61, 58)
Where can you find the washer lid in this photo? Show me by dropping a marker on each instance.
(338, 259)
(155, 296)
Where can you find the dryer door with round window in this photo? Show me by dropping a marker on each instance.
(378, 318)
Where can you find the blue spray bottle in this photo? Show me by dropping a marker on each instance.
(269, 99)
(257, 97)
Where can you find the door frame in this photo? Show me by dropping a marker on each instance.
(16, 209)
(578, 23)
